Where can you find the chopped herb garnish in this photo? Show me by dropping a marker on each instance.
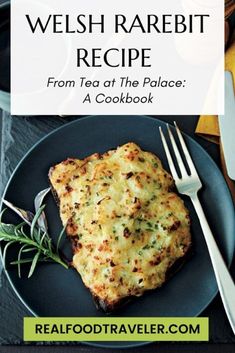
(157, 184)
(140, 253)
(146, 247)
(116, 238)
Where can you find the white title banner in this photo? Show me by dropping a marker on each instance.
(96, 57)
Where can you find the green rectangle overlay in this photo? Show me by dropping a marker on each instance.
(116, 329)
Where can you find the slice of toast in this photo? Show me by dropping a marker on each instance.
(126, 225)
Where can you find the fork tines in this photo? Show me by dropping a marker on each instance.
(178, 157)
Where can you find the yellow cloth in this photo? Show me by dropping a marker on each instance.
(208, 125)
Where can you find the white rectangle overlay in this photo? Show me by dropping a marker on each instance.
(99, 57)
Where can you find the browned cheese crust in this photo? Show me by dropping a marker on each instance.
(126, 224)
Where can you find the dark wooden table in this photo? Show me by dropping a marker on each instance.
(18, 134)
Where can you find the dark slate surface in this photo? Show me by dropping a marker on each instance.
(18, 134)
(160, 348)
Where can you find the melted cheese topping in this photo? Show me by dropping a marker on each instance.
(127, 226)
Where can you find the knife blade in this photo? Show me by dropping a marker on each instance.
(227, 126)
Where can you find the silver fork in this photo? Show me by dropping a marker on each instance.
(190, 185)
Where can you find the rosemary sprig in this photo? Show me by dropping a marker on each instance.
(37, 242)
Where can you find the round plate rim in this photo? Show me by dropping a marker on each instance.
(97, 344)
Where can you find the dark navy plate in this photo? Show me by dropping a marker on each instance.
(54, 291)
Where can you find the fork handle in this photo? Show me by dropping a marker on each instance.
(224, 280)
